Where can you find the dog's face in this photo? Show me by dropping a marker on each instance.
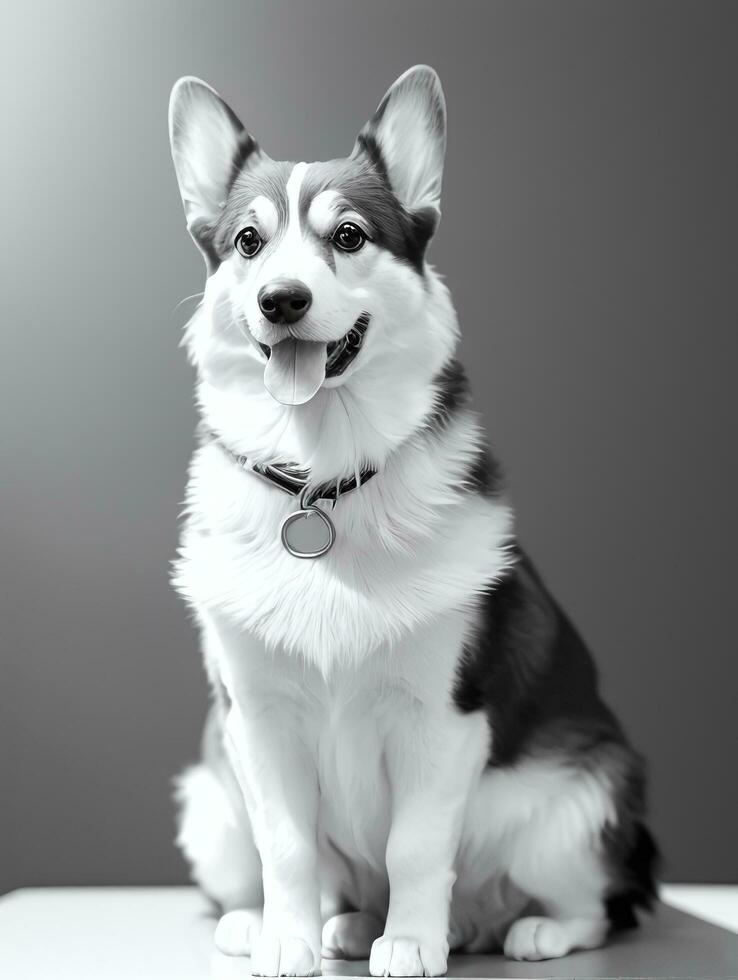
(319, 267)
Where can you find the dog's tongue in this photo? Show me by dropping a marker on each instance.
(295, 370)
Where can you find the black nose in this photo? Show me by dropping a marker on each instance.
(284, 300)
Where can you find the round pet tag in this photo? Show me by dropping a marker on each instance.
(307, 532)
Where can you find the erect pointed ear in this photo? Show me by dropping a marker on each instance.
(406, 138)
(209, 146)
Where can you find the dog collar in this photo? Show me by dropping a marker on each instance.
(307, 532)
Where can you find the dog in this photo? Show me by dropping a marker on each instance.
(407, 752)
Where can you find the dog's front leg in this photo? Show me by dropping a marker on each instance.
(433, 758)
(266, 742)
(280, 789)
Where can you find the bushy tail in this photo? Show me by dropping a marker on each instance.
(638, 867)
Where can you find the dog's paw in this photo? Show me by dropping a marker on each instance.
(236, 931)
(535, 938)
(539, 938)
(404, 956)
(283, 956)
(350, 936)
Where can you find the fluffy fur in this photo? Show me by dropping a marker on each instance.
(407, 751)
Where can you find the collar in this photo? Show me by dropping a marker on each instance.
(294, 481)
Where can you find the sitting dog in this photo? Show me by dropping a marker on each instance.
(407, 752)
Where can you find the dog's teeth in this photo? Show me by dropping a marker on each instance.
(333, 355)
(342, 352)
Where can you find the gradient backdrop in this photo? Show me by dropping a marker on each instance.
(589, 238)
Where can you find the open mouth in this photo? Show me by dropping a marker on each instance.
(340, 353)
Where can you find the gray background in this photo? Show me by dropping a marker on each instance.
(589, 237)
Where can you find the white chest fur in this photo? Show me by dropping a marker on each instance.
(410, 547)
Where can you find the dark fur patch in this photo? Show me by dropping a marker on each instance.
(530, 671)
(245, 148)
(630, 851)
(528, 668)
(484, 474)
(364, 186)
(452, 393)
(367, 144)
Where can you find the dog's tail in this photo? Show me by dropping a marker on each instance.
(638, 863)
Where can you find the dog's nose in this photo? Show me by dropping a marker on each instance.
(285, 300)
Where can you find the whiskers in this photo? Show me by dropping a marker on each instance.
(241, 325)
(197, 296)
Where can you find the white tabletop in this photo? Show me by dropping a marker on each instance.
(713, 903)
(160, 933)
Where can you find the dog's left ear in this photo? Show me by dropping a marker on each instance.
(209, 146)
(406, 139)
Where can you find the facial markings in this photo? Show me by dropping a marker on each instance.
(265, 179)
(327, 212)
(298, 229)
(264, 215)
(321, 213)
(293, 196)
(357, 181)
(305, 226)
(295, 232)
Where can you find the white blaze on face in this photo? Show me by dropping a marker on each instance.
(296, 368)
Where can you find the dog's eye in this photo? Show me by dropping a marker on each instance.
(348, 237)
(248, 242)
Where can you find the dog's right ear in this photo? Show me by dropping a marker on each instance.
(209, 147)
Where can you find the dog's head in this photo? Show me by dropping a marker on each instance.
(318, 290)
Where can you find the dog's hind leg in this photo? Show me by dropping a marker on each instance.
(214, 834)
(567, 881)
(215, 838)
(540, 824)
(581, 852)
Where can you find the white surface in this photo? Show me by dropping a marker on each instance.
(106, 934)
(162, 933)
(713, 903)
